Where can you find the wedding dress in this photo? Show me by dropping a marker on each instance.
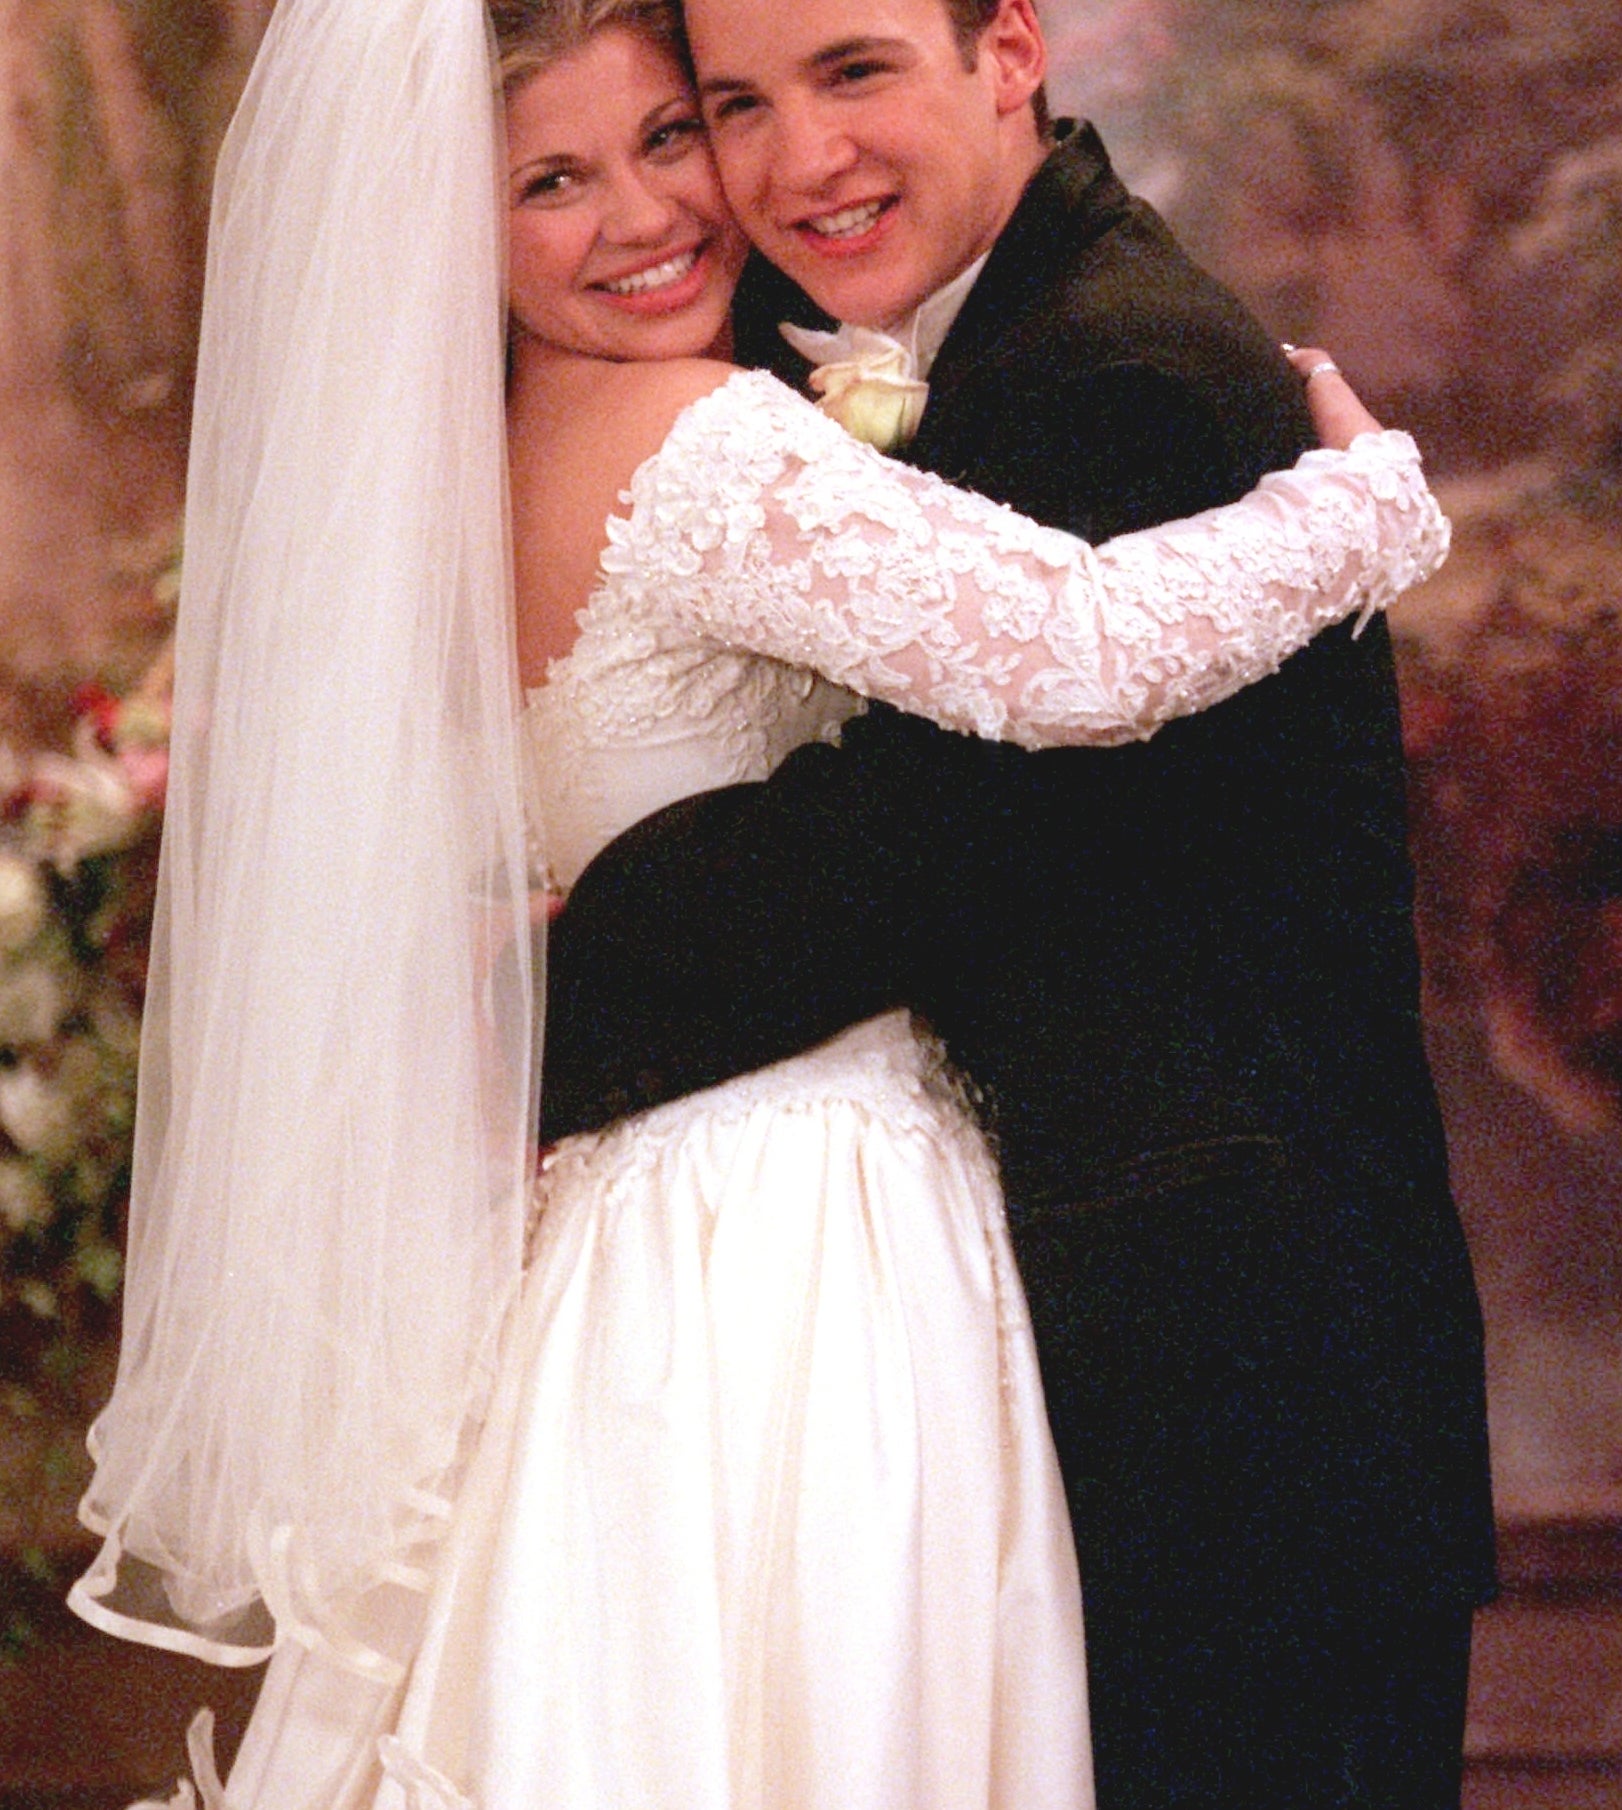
(765, 1514)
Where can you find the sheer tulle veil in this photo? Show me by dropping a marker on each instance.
(338, 1063)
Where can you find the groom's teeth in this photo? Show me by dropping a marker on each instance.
(848, 220)
(660, 277)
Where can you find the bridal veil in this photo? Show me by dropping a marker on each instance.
(337, 1069)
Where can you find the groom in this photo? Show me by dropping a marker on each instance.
(1180, 976)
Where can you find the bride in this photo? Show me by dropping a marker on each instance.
(740, 1492)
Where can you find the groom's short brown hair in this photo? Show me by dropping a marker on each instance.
(970, 18)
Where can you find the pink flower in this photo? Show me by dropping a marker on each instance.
(94, 702)
(147, 771)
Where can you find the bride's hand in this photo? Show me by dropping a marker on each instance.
(1336, 412)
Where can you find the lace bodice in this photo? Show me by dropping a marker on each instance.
(764, 546)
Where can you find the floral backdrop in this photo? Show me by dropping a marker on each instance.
(79, 834)
(1433, 188)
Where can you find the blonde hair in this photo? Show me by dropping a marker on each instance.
(532, 33)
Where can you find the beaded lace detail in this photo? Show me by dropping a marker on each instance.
(763, 545)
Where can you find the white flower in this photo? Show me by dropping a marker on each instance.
(33, 1003)
(100, 1268)
(22, 901)
(872, 396)
(24, 1199)
(98, 808)
(39, 1298)
(37, 1117)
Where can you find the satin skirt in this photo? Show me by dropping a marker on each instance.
(765, 1514)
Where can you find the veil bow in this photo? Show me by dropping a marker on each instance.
(336, 1109)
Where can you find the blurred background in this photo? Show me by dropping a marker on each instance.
(1432, 189)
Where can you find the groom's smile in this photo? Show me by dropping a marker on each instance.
(850, 227)
(871, 148)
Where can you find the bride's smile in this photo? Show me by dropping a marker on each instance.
(622, 245)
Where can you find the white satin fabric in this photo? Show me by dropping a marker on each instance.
(766, 1514)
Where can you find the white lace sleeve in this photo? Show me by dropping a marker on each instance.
(764, 526)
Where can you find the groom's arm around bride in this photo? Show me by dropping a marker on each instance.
(1180, 974)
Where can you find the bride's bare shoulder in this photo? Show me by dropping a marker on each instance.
(612, 415)
(658, 390)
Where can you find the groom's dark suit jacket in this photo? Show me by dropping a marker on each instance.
(1181, 975)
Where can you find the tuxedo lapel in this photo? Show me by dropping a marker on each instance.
(1073, 197)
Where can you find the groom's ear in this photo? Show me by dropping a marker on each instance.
(1014, 55)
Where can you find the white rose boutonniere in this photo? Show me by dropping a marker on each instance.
(866, 384)
(873, 399)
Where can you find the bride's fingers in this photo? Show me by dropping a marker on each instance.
(1336, 412)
